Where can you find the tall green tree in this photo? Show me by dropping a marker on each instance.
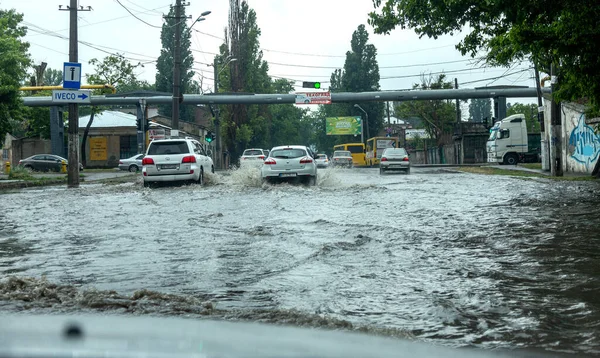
(438, 116)
(14, 63)
(243, 125)
(360, 74)
(543, 31)
(480, 110)
(288, 123)
(52, 77)
(530, 112)
(164, 65)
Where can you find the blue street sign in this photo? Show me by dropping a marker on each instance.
(71, 96)
(72, 75)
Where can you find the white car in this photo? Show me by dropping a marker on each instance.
(253, 157)
(176, 160)
(322, 161)
(394, 159)
(291, 162)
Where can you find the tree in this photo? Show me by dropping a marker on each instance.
(53, 77)
(113, 70)
(360, 73)
(438, 115)
(14, 62)
(545, 32)
(243, 125)
(164, 65)
(530, 112)
(480, 110)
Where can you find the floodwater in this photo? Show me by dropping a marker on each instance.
(450, 258)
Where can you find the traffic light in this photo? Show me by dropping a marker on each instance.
(316, 85)
(138, 124)
(209, 137)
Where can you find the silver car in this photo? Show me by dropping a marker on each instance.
(292, 162)
(342, 158)
(132, 164)
(322, 161)
(394, 159)
(176, 160)
(253, 157)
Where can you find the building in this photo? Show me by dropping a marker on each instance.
(112, 136)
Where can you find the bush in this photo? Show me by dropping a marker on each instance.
(20, 173)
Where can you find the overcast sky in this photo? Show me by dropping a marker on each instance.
(301, 40)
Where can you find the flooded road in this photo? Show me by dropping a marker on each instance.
(450, 258)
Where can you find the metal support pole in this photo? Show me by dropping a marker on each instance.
(57, 131)
(140, 133)
(73, 168)
(555, 128)
(219, 155)
(176, 69)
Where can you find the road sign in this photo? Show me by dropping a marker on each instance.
(313, 97)
(72, 75)
(156, 134)
(71, 96)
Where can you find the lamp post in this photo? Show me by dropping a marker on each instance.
(217, 119)
(367, 120)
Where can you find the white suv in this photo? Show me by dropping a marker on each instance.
(176, 160)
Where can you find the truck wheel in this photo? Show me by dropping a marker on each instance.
(511, 159)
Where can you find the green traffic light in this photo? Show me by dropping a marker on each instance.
(317, 85)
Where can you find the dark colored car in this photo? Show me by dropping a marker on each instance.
(44, 163)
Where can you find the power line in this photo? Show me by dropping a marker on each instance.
(132, 14)
(492, 78)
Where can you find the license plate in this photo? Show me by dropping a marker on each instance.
(284, 175)
(169, 166)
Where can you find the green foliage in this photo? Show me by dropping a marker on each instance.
(14, 62)
(544, 31)
(164, 65)
(20, 173)
(438, 115)
(360, 74)
(530, 112)
(53, 77)
(480, 110)
(113, 70)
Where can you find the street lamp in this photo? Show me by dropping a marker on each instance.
(217, 119)
(366, 119)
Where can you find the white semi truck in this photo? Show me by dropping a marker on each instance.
(509, 142)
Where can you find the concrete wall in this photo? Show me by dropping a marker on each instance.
(432, 156)
(26, 147)
(580, 142)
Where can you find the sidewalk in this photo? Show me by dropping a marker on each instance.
(47, 179)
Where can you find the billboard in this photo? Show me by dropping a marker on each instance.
(343, 125)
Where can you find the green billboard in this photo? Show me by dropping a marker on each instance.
(342, 125)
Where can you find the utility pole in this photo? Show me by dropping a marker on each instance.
(555, 126)
(73, 133)
(177, 69)
(388, 113)
(217, 119)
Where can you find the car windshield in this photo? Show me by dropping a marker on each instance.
(342, 154)
(288, 153)
(451, 241)
(171, 147)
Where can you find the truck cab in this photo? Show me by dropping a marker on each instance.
(508, 142)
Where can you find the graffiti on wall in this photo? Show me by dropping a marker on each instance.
(584, 143)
